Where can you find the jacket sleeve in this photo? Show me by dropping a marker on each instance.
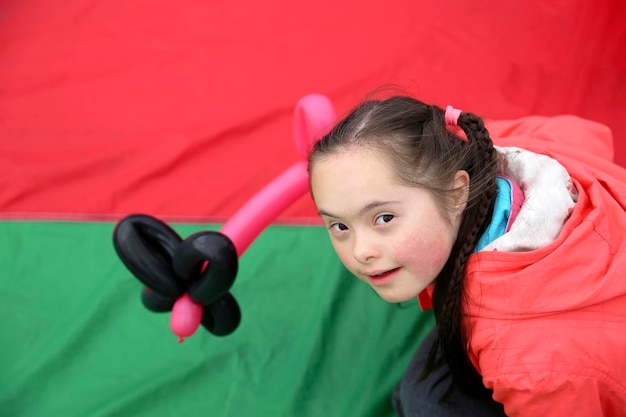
(558, 394)
(585, 136)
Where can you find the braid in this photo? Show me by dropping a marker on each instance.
(448, 296)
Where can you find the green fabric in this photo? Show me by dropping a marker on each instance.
(76, 341)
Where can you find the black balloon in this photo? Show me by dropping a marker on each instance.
(222, 317)
(204, 265)
(156, 302)
(146, 246)
(219, 276)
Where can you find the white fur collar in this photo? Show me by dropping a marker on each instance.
(549, 198)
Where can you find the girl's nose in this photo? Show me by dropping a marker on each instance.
(365, 249)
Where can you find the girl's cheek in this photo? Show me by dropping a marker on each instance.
(342, 253)
(345, 256)
(427, 255)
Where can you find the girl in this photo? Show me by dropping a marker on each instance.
(520, 252)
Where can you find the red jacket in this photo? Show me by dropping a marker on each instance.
(547, 327)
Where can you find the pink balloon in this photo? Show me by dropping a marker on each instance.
(186, 317)
(254, 216)
(313, 116)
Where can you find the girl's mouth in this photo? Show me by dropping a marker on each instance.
(384, 277)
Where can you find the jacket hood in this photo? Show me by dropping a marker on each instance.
(583, 266)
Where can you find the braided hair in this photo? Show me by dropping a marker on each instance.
(423, 153)
(448, 295)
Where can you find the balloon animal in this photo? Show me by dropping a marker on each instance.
(192, 277)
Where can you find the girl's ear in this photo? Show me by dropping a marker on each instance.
(460, 193)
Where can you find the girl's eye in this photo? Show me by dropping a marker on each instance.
(384, 218)
(338, 227)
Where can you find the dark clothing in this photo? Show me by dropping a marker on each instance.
(415, 398)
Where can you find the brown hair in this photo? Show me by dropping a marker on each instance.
(413, 137)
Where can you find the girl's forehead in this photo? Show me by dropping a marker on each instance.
(351, 174)
(350, 165)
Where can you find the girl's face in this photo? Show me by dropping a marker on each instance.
(389, 235)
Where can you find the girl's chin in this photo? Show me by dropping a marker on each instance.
(395, 298)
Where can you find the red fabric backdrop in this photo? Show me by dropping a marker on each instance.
(184, 109)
